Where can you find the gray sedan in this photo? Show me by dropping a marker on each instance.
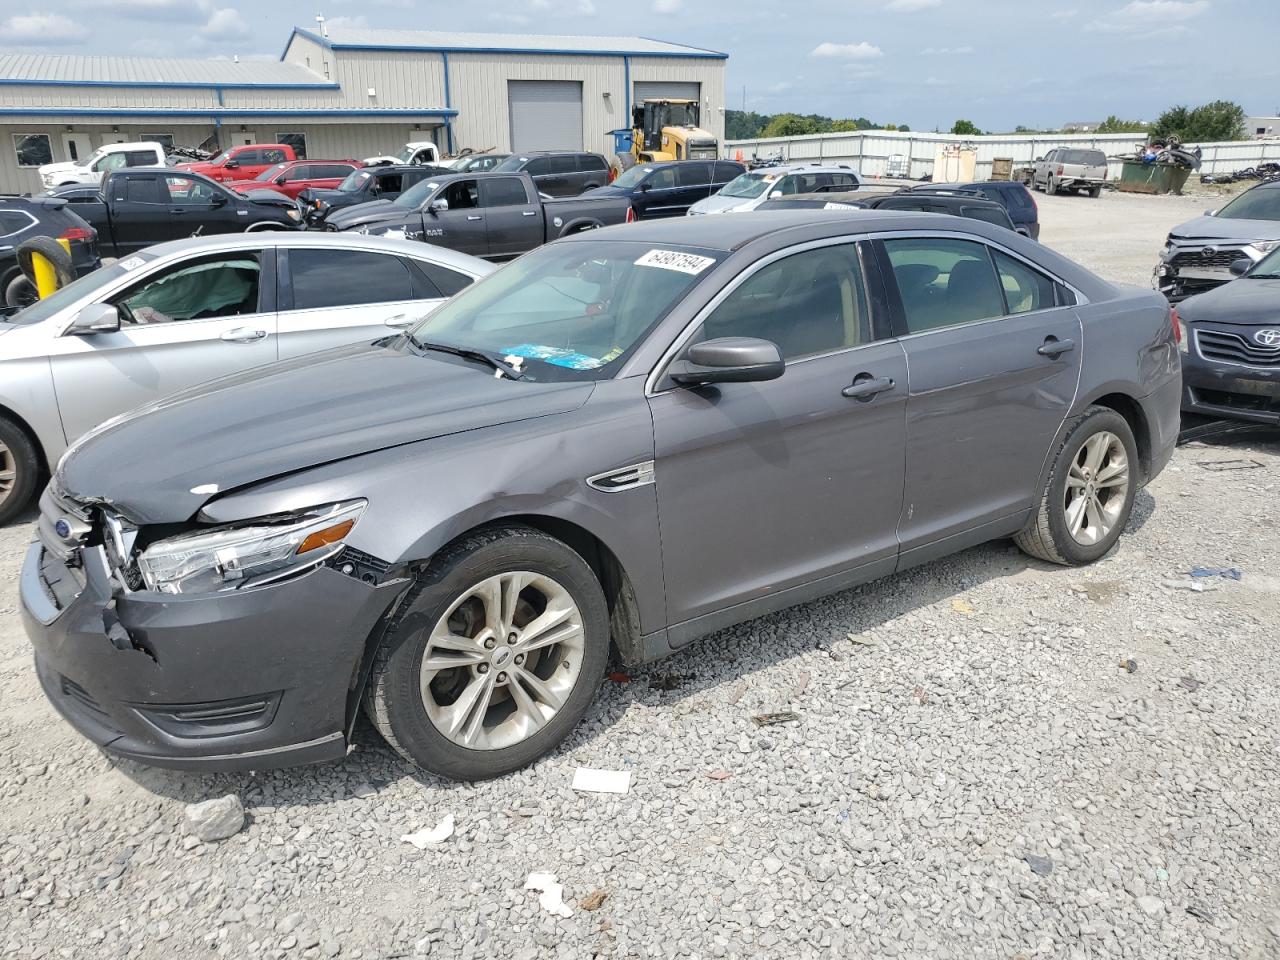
(620, 442)
(180, 313)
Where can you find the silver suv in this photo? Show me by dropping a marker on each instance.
(770, 183)
(1070, 168)
(1198, 254)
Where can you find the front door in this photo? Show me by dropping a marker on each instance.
(462, 226)
(76, 146)
(768, 486)
(658, 195)
(513, 223)
(994, 354)
(198, 208)
(180, 325)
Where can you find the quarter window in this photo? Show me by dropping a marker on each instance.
(220, 287)
(447, 281)
(944, 283)
(1025, 289)
(338, 278)
(590, 162)
(808, 303)
(32, 149)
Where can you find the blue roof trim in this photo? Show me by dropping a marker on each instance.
(214, 112)
(181, 85)
(693, 53)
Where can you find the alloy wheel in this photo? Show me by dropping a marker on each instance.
(8, 472)
(1097, 488)
(502, 660)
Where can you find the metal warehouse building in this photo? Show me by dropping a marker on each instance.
(350, 93)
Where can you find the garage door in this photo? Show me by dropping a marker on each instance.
(545, 114)
(662, 90)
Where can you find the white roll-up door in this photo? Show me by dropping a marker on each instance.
(545, 114)
(664, 90)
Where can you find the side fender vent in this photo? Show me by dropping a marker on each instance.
(624, 478)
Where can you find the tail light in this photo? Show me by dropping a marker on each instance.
(613, 174)
(78, 233)
(631, 215)
(1179, 331)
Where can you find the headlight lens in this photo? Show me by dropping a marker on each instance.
(232, 556)
(1265, 246)
(294, 214)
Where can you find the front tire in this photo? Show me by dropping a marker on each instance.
(494, 657)
(1089, 493)
(19, 470)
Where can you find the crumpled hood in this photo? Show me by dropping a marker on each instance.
(719, 204)
(270, 198)
(290, 416)
(1226, 228)
(65, 166)
(372, 211)
(1247, 302)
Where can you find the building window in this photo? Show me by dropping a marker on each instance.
(164, 139)
(296, 140)
(326, 69)
(32, 149)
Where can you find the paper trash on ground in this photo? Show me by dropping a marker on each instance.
(550, 893)
(431, 836)
(601, 781)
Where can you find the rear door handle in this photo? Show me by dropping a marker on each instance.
(1053, 347)
(177, 210)
(529, 213)
(475, 218)
(243, 335)
(865, 387)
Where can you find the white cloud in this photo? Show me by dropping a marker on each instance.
(151, 9)
(514, 19)
(42, 30)
(1162, 16)
(225, 24)
(1064, 14)
(941, 51)
(350, 23)
(911, 6)
(848, 51)
(667, 6)
(584, 8)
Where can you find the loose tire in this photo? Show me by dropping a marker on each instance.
(19, 470)
(1089, 493)
(495, 656)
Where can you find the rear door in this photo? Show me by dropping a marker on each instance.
(994, 353)
(513, 221)
(139, 210)
(203, 318)
(330, 297)
(593, 171)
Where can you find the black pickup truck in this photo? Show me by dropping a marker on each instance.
(136, 208)
(490, 215)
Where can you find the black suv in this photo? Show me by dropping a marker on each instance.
(559, 173)
(365, 184)
(1012, 195)
(23, 218)
(962, 205)
(670, 189)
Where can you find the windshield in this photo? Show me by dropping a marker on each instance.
(271, 172)
(748, 185)
(415, 195)
(65, 296)
(1255, 204)
(1268, 268)
(355, 181)
(632, 177)
(569, 311)
(405, 155)
(513, 162)
(218, 158)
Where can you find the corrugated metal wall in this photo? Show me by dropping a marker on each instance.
(709, 73)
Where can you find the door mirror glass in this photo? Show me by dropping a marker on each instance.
(1211, 213)
(218, 200)
(438, 206)
(1039, 159)
(1240, 267)
(281, 179)
(729, 360)
(232, 164)
(94, 319)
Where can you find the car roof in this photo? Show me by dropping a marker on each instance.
(806, 168)
(132, 145)
(231, 242)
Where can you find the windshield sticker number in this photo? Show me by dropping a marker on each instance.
(689, 263)
(133, 263)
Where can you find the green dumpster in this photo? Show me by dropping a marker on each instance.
(1152, 177)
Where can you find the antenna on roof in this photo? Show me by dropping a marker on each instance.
(324, 31)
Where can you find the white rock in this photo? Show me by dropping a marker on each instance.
(550, 893)
(431, 836)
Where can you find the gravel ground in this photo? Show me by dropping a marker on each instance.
(973, 772)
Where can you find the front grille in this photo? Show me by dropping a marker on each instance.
(80, 695)
(1193, 259)
(1236, 348)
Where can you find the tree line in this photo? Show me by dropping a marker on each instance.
(749, 125)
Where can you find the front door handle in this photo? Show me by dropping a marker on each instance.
(865, 387)
(1053, 347)
(529, 213)
(243, 335)
(475, 217)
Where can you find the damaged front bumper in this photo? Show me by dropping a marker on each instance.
(242, 679)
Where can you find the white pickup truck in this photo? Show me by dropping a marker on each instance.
(108, 157)
(419, 151)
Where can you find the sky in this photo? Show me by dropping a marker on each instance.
(926, 63)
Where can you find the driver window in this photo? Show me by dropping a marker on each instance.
(112, 161)
(462, 195)
(218, 287)
(808, 303)
(184, 190)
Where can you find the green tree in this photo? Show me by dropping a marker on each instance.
(842, 126)
(743, 125)
(902, 127)
(966, 128)
(1114, 124)
(790, 125)
(1216, 121)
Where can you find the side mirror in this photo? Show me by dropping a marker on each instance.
(645, 187)
(281, 179)
(728, 360)
(438, 205)
(218, 200)
(1240, 267)
(94, 319)
(1039, 159)
(232, 164)
(1211, 213)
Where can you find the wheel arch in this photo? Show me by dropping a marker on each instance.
(9, 413)
(580, 225)
(1129, 408)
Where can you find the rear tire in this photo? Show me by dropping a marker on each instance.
(20, 292)
(19, 470)
(1089, 493)
(459, 686)
(1051, 187)
(1095, 192)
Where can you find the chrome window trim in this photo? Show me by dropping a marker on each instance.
(31, 222)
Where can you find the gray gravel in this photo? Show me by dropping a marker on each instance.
(993, 758)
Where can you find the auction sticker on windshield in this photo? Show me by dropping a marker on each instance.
(133, 263)
(689, 263)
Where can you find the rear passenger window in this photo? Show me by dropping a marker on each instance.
(139, 158)
(389, 183)
(138, 190)
(1025, 288)
(944, 283)
(567, 164)
(693, 174)
(538, 166)
(590, 162)
(503, 192)
(808, 303)
(337, 278)
(843, 181)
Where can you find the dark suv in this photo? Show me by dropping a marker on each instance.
(559, 173)
(1012, 195)
(670, 189)
(363, 185)
(963, 205)
(24, 218)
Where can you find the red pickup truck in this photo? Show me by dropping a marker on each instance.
(244, 162)
(294, 176)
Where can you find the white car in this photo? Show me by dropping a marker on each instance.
(756, 186)
(419, 151)
(180, 313)
(108, 157)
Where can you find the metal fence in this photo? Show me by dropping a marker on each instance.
(889, 153)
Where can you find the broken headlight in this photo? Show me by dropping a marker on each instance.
(255, 551)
